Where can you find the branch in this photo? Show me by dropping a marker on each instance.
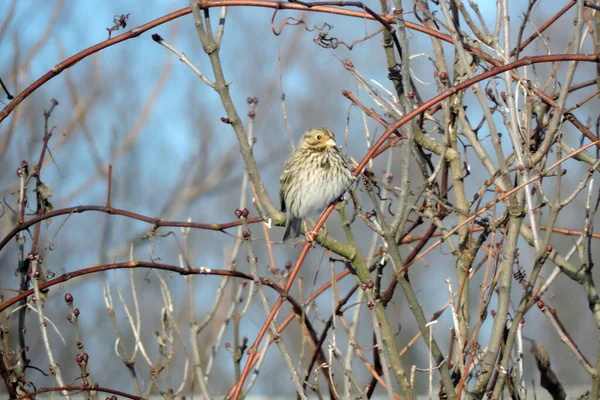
(156, 222)
(142, 264)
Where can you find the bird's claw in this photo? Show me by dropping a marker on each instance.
(311, 235)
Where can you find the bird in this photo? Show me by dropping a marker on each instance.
(313, 177)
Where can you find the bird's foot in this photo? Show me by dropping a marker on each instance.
(311, 235)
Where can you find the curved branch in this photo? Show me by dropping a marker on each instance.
(81, 389)
(296, 306)
(71, 61)
(145, 264)
(156, 222)
(135, 32)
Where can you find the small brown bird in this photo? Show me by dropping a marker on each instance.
(314, 176)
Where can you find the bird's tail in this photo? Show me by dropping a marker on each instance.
(292, 228)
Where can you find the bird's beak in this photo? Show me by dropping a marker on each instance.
(330, 143)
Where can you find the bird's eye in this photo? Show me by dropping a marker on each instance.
(319, 137)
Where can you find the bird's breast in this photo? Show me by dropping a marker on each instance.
(319, 185)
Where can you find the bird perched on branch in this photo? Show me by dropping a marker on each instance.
(314, 176)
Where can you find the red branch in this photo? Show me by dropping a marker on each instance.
(154, 221)
(69, 62)
(81, 389)
(139, 264)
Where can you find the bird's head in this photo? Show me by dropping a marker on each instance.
(318, 139)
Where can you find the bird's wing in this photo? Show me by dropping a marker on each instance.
(283, 183)
(286, 178)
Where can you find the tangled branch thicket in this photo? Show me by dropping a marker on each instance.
(461, 264)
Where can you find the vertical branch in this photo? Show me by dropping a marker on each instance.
(488, 361)
(381, 325)
(109, 186)
(402, 210)
(211, 48)
(35, 260)
(514, 132)
(419, 315)
(238, 244)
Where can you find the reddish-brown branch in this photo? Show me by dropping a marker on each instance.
(154, 221)
(369, 111)
(485, 75)
(253, 350)
(387, 295)
(280, 5)
(135, 32)
(467, 367)
(541, 29)
(81, 389)
(138, 264)
(71, 61)
(158, 222)
(551, 313)
(291, 317)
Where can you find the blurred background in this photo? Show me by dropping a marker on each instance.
(135, 106)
